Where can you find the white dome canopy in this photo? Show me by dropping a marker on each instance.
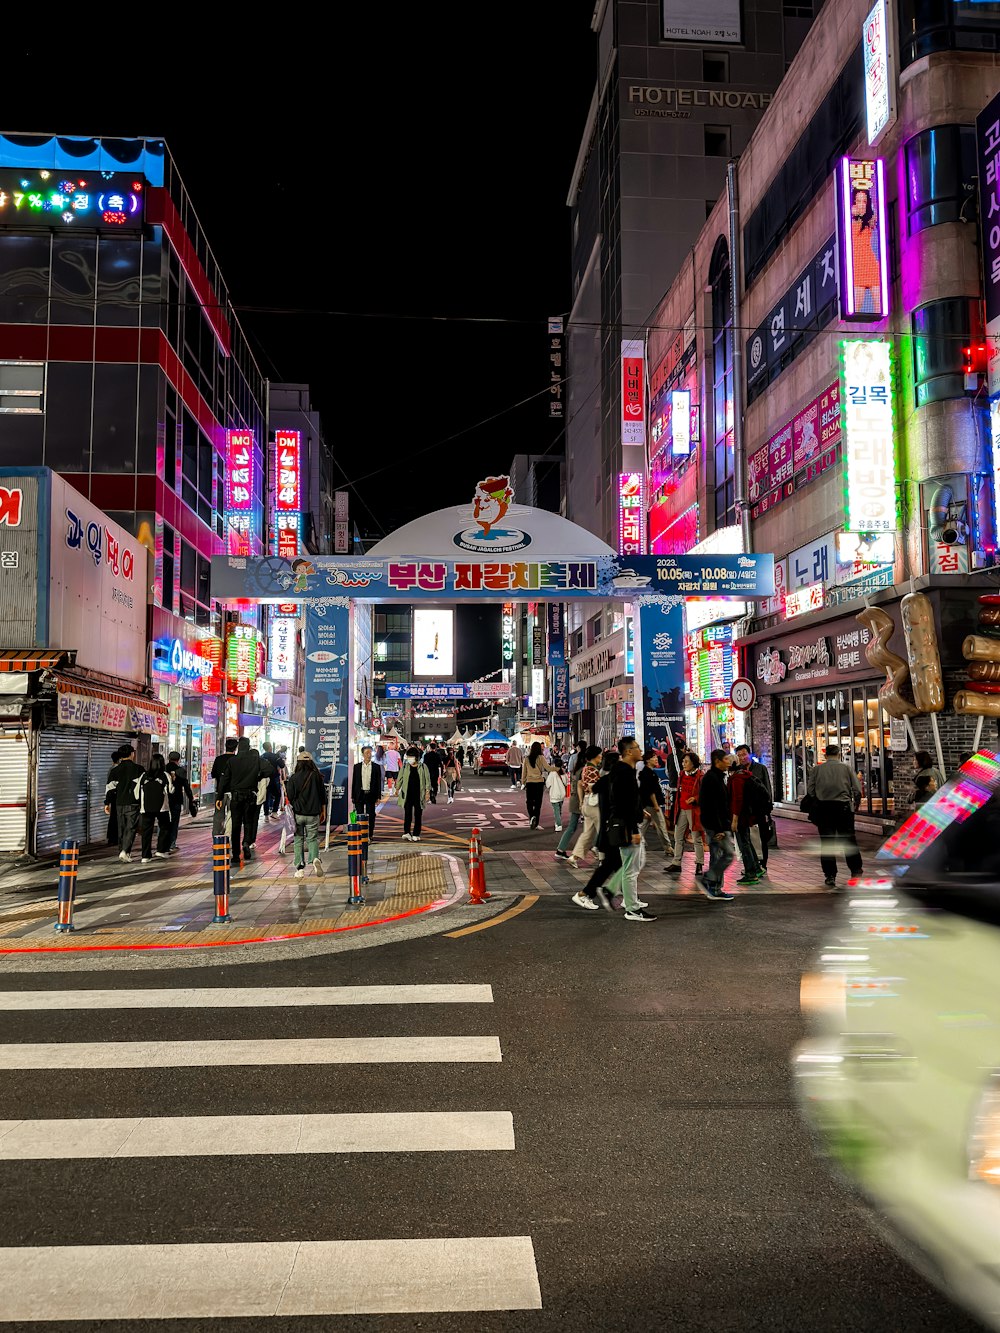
(522, 532)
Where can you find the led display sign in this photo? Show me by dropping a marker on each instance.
(631, 513)
(174, 661)
(507, 631)
(880, 80)
(240, 477)
(710, 663)
(241, 658)
(633, 391)
(798, 601)
(680, 422)
(282, 654)
(38, 197)
(867, 410)
(864, 268)
(433, 642)
(288, 471)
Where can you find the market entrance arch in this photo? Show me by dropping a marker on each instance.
(490, 551)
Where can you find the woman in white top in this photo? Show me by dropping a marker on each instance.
(555, 785)
(533, 778)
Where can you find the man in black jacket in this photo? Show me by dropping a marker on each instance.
(716, 820)
(366, 788)
(121, 782)
(240, 780)
(180, 791)
(619, 839)
(434, 762)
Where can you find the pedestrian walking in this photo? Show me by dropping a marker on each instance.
(452, 774)
(434, 762)
(306, 793)
(620, 837)
(391, 767)
(717, 822)
(834, 794)
(585, 778)
(273, 797)
(222, 761)
(366, 788)
(111, 807)
(927, 768)
(155, 788)
(762, 833)
(651, 799)
(555, 785)
(122, 787)
(536, 766)
(460, 755)
(241, 779)
(687, 815)
(745, 811)
(575, 812)
(180, 790)
(515, 762)
(412, 793)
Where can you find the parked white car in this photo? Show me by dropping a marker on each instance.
(900, 1078)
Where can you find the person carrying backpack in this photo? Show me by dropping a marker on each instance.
(155, 789)
(764, 829)
(121, 788)
(181, 788)
(746, 797)
(306, 794)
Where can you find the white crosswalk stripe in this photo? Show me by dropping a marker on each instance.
(261, 1277)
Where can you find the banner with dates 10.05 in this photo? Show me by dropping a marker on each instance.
(316, 578)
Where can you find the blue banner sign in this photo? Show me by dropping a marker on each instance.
(312, 578)
(661, 650)
(560, 698)
(328, 698)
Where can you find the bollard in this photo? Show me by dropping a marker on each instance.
(355, 837)
(220, 876)
(477, 874)
(69, 862)
(364, 850)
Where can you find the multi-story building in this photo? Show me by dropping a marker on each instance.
(124, 369)
(815, 392)
(679, 90)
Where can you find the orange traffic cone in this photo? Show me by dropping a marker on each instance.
(477, 872)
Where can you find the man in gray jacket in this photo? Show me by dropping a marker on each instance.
(836, 794)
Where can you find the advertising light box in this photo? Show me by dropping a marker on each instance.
(870, 454)
(433, 642)
(57, 199)
(864, 267)
(631, 513)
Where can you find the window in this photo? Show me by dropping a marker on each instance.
(197, 471)
(941, 329)
(169, 598)
(796, 9)
(22, 386)
(718, 142)
(940, 176)
(724, 471)
(715, 66)
(947, 25)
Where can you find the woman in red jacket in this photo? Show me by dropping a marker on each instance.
(686, 814)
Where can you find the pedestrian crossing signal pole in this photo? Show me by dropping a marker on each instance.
(69, 862)
(220, 866)
(355, 851)
(477, 872)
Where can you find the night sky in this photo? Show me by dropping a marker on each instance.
(385, 194)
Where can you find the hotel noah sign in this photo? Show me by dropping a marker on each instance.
(672, 98)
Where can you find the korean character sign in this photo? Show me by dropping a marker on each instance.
(633, 391)
(869, 430)
(861, 229)
(988, 154)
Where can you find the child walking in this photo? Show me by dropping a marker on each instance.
(555, 785)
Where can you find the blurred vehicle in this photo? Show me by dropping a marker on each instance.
(900, 1079)
(491, 758)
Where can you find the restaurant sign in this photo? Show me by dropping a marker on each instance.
(822, 654)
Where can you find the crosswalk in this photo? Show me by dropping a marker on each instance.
(242, 1274)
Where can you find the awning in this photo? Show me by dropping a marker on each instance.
(84, 705)
(30, 659)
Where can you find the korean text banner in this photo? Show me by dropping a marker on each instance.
(315, 578)
(328, 698)
(661, 671)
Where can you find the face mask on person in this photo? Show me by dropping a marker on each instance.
(413, 759)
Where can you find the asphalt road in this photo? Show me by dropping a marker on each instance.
(659, 1168)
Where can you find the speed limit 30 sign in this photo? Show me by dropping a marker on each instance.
(743, 694)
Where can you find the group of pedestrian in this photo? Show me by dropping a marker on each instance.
(138, 799)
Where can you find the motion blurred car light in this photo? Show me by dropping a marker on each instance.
(822, 993)
(984, 1141)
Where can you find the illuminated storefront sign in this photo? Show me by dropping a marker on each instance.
(241, 658)
(710, 663)
(995, 433)
(240, 477)
(631, 512)
(263, 692)
(864, 267)
(870, 468)
(283, 648)
(799, 601)
(232, 716)
(859, 550)
(880, 78)
(633, 391)
(287, 535)
(288, 462)
(507, 630)
(680, 422)
(36, 197)
(175, 662)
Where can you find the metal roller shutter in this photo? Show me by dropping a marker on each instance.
(101, 745)
(62, 800)
(14, 756)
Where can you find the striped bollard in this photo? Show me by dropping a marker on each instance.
(69, 861)
(364, 850)
(220, 878)
(355, 837)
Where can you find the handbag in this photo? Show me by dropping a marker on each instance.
(618, 832)
(193, 807)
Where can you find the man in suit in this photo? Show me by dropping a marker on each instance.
(366, 788)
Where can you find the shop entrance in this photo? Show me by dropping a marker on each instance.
(849, 716)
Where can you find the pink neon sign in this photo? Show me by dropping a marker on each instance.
(288, 462)
(631, 513)
(239, 471)
(861, 228)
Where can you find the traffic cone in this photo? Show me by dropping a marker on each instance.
(477, 872)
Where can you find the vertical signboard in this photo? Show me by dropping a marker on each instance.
(556, 372)
(659, 672)
(560, 698)
(538, 645)
(988, 156)
(631, 513)
(282, 655)
(557, 645)
(680, 422)
(861, 229)
(287, 517)
(341, 542)
(328, 699)
(869, 450)
(507, 632)
(242, 487)
(633, 391)
(880, 73)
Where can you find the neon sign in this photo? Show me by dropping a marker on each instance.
(680, 422)
(633, 391)
(864, 267)
(241, 658)
(283, 648)
(41, 198)
(174, 661)
(288, 471)
(631, 512)
(240, 472)
(867, 408)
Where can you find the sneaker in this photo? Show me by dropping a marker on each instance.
(145, 860)
(406, 838)
(173, 851)
(640, 903)
(560, 856)
(451, 800)
(162, 856)
(673, 870)
(639, 915)
(558, 828)
(603, 899)
(719, 895)
(415, 838)
(124, 856)
(318, 866)
(300, 873)
(748, 879)
(830, 883)
(702, 883)
(582, 900)
(616, 902)
(532, 822)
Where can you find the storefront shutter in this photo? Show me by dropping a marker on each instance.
(13, 791)
(63, 788)
(102, 743)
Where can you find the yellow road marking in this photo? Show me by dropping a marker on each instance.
(527, 901)
(428, 832)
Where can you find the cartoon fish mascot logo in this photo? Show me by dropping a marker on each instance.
(491, 501)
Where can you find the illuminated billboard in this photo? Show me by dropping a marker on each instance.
(241, 658)
(288, 471)
(880, 77)
(240, 472)
(631, 513)
(864, 267)
(433, 642)
(282, 655)
(40, 197)
(633, 391)
(869, 450)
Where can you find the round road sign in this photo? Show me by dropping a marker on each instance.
(743, 695)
